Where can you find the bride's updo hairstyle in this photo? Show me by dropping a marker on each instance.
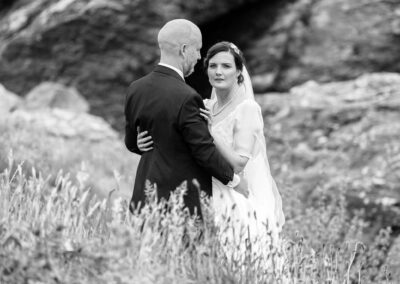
(225, 46)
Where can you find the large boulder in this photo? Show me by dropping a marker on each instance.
(84, 145)
(8, 101)
(55, 95)
(97, 46)
(335, 138)
(64, 123)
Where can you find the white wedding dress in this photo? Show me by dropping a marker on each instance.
(259, 216)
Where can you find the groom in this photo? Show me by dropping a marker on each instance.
(169, 110)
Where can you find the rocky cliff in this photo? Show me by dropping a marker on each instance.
(339, 135)
(339, 140)
(99, 47)
(326, 40)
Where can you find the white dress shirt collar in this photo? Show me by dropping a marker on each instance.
(173, 68)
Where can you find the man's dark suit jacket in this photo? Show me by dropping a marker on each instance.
(163, 104)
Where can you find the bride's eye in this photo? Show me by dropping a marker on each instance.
(211, 65)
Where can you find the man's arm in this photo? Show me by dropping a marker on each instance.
(130, 130)
(131, 139)
(196, 135)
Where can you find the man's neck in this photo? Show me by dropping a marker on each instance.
(173, 67)
(171, 63)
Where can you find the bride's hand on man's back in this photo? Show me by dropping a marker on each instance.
(144, 141)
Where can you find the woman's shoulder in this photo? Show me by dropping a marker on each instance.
(249, 113)
(249, 105)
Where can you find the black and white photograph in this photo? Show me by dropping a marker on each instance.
(193, 142)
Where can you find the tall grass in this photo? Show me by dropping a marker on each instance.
(58, 232)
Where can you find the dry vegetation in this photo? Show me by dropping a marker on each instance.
(57, 232)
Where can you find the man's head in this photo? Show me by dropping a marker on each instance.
(180, 42)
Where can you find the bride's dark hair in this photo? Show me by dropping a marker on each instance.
(225, 46)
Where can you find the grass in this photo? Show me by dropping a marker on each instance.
(53, 230)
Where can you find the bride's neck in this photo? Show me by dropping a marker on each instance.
(225, 95)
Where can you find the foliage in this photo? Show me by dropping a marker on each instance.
(57, 232)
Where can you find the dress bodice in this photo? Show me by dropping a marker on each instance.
(240, 128)
(224, 129)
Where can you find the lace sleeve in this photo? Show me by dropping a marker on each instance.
(248, 124)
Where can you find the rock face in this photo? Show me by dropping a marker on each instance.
(339, 141)
(326, 40)
(97, 46)
(339, 137)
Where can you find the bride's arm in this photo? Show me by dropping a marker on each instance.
(237, 161)
(248, 122)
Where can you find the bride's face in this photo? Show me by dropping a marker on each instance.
(222, 71)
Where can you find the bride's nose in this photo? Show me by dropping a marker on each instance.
(218, 70)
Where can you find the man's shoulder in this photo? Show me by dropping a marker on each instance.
(173, 86)
(186, 94)
(141, 80)
(188, 90)
(169, 87)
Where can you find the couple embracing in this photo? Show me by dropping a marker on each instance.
(217, 145)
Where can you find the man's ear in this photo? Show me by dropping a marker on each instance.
(182, 49)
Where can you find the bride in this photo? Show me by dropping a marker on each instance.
(236, 124)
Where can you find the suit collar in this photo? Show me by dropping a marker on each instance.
(168, 71)
(173, 68)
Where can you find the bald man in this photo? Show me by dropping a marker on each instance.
(162, 104)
